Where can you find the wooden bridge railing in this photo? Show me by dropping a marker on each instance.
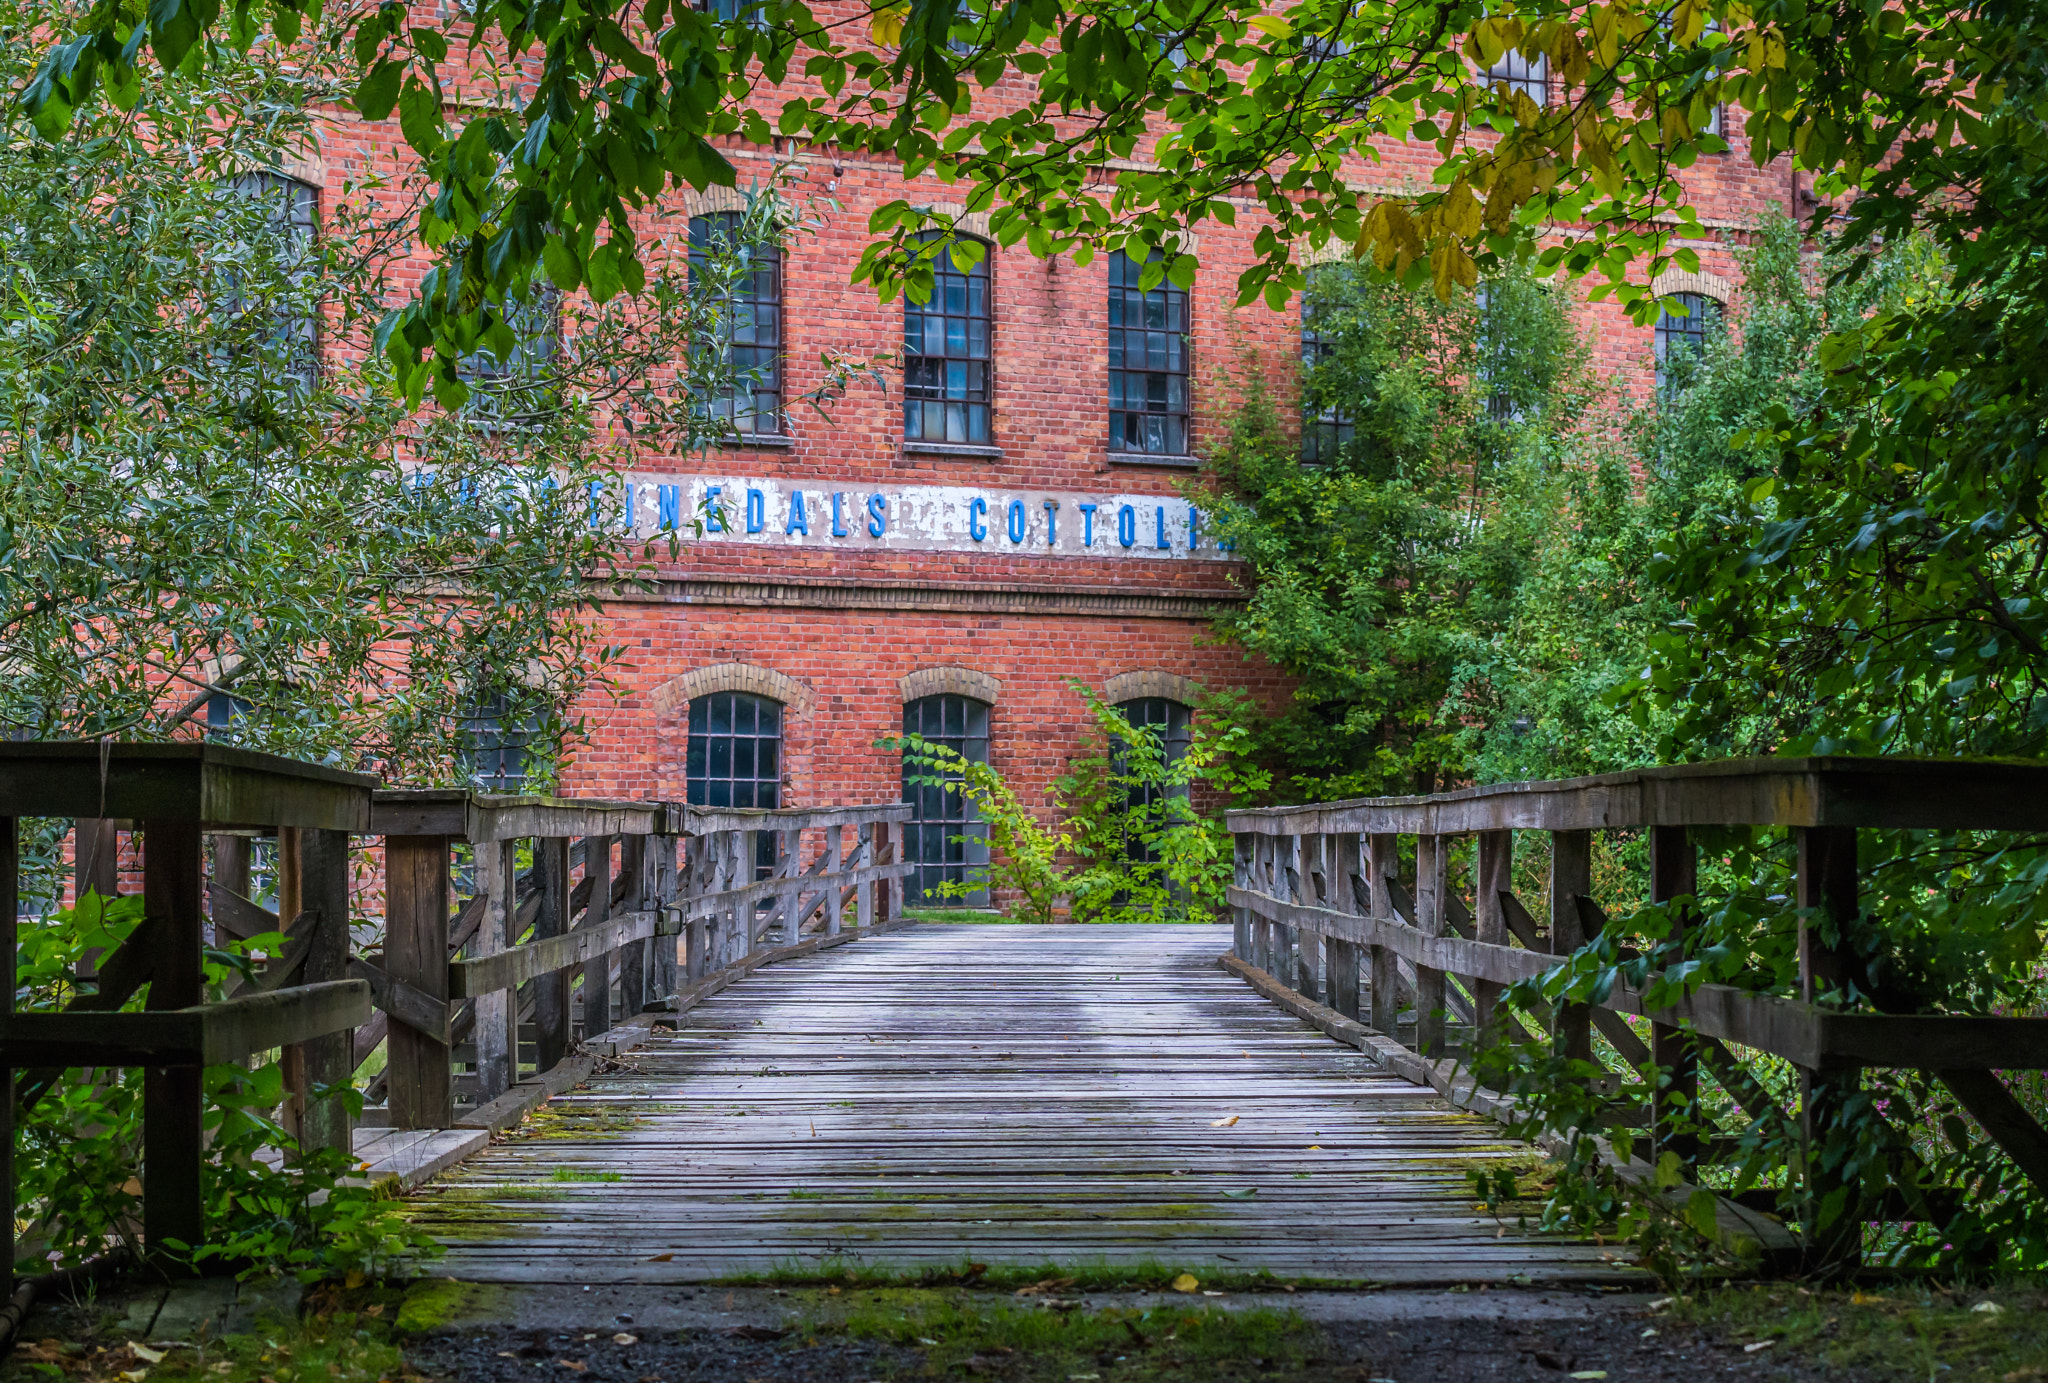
(1325, 922)
(577, 920)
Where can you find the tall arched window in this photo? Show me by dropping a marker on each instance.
(735, 753)
(1687, 334)
(945, 838)
(292, 207)
(752, 318)
(1148, 363)
(1530, 76)
(946, 374)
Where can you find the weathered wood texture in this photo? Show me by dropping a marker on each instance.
(1009, 1094)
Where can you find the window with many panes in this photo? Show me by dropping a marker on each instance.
(510, 381)
(734, 757)
(224, 712)
(1531, 76)
(1326, 429)
(945, 837)
(292, 210)
(496, 741)
(1148, 363)
(1684, 333)
(754, 11)
(946, 372)
(751, 317)
(1169, 721)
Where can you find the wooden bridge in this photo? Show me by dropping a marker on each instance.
(749, 1058)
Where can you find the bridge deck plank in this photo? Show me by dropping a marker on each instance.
(1002, 1094)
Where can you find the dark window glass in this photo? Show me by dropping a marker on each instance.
(511, 386)
(1325, 429)
(734, 757)
(752, 319)
(728, 10)
(1148, 363)
(1528, 75)
(224, 712)
(496, 742)
(946, 392)
(294, 214)
(1678, 335)
(1168, 720)
(945, 837)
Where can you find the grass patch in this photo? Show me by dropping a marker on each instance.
(1908, 1332)
(967, 915)
(1043, 1278)
(554, 1120)
(352, 1345)
(584, 1174)
(964, 1334)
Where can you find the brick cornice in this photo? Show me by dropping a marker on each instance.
(923, 597)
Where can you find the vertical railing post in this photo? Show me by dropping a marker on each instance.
(1828, 886)
(10, 914)
(328, 1061)
(1286, 965)
(597, 971)
(700, 855)
(1571, 878)
(633, 864)
(1492, 875)
(665, 890)
(1432, 884)
(551, 918)
(1340, 958)
(496, 1029)
(835, 860)
(1383, 860)
(790, 902)
(1241, 875)
(172, 1130)
(1674, 1055)
(864, 894)
(1307, 944)
(416, 953)
(899, 888)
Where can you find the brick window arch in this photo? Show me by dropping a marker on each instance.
(944, 837)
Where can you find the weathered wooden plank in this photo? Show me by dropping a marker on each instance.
(416, 952)
(173, 1133)
(469, 978)
(704, 821)
(209, 785)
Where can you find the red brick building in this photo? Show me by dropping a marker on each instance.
(951, 565)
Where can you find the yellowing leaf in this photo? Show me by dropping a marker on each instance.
(1186, 1282)
(1460, 210)
(887, 25)
(1449, 266)
(1223, 1123)
(145, 1353)
(1274, 25)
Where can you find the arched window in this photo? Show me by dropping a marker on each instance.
(752, 318)
(1148, 363)
(495, 744)
(1325, 428)
(946, 375)
(945, 838)
(1169, 720)
(735, 753)
(1678, 335)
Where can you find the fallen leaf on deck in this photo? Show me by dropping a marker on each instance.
(624, 1339)
(1186, 1282)
(145, 1353)
(1243, 1195)
(574, 1364)
(662, 1258)
(1590, 1373)
(1760, 1344)
(1987, 1308)
(1223, 1123)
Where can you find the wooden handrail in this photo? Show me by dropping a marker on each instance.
(1320, 913)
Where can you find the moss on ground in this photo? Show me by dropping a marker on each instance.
(1037, 1280)
(330, 1343)
(433, 1302)
(1959, 1334)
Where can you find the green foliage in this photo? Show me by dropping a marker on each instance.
(270, 1206)
(192, 504)
(1132, 842)
(1454, 589)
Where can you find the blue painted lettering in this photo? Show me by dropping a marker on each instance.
(838, 523)
(1087, 524)
(975, 510)
(1016, 520)
(1052, 523)
(1127, 526)
(1194, 527)
(1161, 542)
(669, 502)
(714, 516)
(595, 489)
(799, 519)
(878, 516)
(757, 511)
